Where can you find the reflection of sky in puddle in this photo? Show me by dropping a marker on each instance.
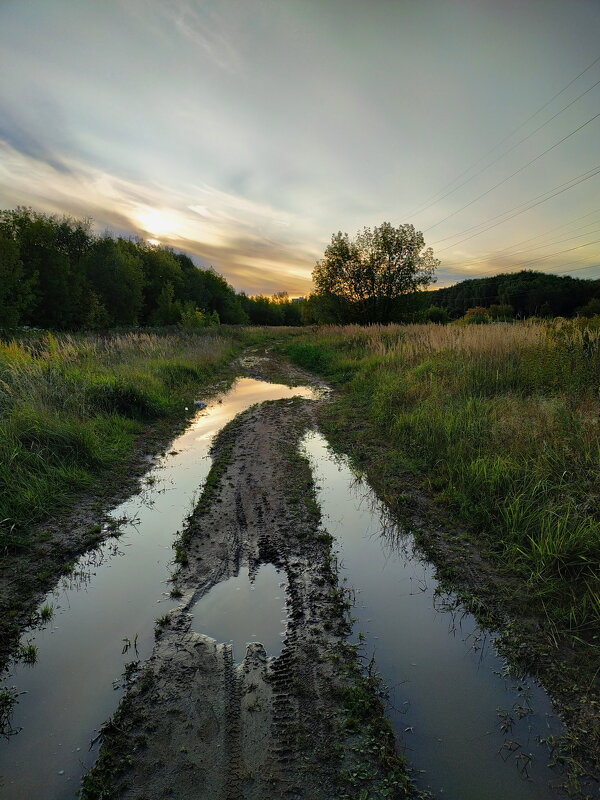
(112, 598)
(445, 680)
(239, 611)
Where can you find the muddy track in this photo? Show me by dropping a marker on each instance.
(53, 546)
(194, 724)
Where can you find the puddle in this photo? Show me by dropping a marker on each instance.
(449, 696)
(105, 612)
(242, 610)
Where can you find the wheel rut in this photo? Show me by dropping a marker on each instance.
(194, 723)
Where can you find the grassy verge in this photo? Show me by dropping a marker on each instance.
(501, 425)
(71, 408)
(77, 415)
(494, 430)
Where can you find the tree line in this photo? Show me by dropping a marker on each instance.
(55, 273)
(520, 294)
(380, 276)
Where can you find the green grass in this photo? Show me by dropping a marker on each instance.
(500, 424)
(71, 408)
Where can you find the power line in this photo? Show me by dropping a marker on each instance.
(479, 298)
(536, 260)
(486, 259)
(536, 236)
(519, 268)
(506, 138)
(516, 172)
(556, 189)
(510, 149)
(563, 187)
(577, 269)
(531, 203)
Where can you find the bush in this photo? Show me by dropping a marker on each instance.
(476, 316)
(436, 314)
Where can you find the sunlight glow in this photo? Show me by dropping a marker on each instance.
(156, 222)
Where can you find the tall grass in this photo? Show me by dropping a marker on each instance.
(70, 408)
(502, 421)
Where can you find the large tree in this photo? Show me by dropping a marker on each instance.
(367, 276)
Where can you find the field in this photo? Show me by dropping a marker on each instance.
(482, 440)
(500, 425)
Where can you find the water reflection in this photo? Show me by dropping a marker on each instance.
(113, 596)
(245, 609)
(470, 729)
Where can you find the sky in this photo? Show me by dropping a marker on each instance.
(247, 132)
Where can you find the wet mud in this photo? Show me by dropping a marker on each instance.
(197, 724)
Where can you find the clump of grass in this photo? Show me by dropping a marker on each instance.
(8, 699)
(46, 612)
(27, 653)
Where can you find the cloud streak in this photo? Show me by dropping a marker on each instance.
(246, 133)
(225, 232)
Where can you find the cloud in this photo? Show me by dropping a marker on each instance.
(206, 25)
(226, 231)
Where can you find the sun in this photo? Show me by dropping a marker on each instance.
(156, 222)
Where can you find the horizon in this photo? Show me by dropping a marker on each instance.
(246, 135)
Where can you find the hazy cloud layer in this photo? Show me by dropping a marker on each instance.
(246, 133)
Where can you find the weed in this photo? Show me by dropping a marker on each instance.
(8, 698)
(27, 653)
(71, 407)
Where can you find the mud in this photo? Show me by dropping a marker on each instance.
(195, 724)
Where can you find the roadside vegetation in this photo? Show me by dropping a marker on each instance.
(499, 423)
(72, 407)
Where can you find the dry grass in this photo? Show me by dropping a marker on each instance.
(502, 423)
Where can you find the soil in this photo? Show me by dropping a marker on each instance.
(196, 725)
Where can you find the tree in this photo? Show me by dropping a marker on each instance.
(436, 314)
(168, 310)
(478, 315)
(500, 312)
(368, 276)
(591, 308)
(51, 250)
(116, 275)
(15, 291)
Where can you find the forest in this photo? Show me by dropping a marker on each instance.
(56, 274)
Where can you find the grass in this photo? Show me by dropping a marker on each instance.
(71, 408)
(500, 423)
(27, 653)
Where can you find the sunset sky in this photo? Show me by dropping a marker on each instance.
(246, 132)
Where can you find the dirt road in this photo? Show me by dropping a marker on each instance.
(194, 724)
